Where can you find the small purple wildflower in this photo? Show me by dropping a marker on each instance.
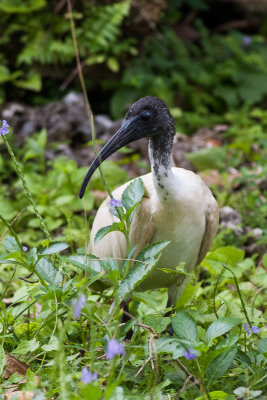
(87, 376)
(25, 248)
(247, 40)
(115, 203)
(189, 355)
(78, 305)
(253, 329)
(114, 348)
(4, 129)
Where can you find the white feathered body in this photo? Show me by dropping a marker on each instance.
(181, 209)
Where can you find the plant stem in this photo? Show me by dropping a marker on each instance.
(21, 176)
(239, 294)
(13, 233)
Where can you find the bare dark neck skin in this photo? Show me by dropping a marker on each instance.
(159, 150)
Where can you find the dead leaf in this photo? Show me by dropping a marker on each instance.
(14, 365)
(19, 395)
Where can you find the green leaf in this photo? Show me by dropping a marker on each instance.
(49, 272)
(116, 226)
(20, 294)
(140, 270)
(216, 395)
(54, 247)
(221, 326)
(90, 263)
(52, 345)
(25, 346)
(133, 193)
(184, 327)
(11, 245)
(220, 364)
(157, 322)
(2, 359)
(18, 7)
(170, 346)
(262, 346)
(208, 158)
(243, 358)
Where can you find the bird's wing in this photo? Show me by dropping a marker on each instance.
(212, 218)
(142, 229)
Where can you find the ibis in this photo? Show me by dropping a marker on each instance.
(177, 205)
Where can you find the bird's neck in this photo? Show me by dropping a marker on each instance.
(159, 150)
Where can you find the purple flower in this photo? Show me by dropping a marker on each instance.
(246, 327)
(189, 355)
(25, 248)
(87, 376)
(78, 305)
(247, 40)
(115, 203)
(114, 348)
(253, 329)
(4, 129)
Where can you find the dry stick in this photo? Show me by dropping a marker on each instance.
(186, 382)
(87, 104)
(187, 372)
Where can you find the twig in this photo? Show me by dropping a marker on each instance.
(196, 381)
(186, 382)
(150, 358)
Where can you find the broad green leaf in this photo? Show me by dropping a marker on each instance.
(243, 358)
(53, 344)
(53, 248)
(2, 359)
(93, 265)
(116, 226)
(149, 258)
(262, 345)
(133, 193)
(157, 322)
(26, 329)
(90, 263)
(220, 364)
(184, 327)
(11, 245)
(187, 294)
(20, 294)
(25, 346)
(32, 257)
(208, 158)
(221, 326)
(18, 7)
(216, 395)
(89, 391)
(128, 257)
(49, 272)
(227, 255)
(170, 346)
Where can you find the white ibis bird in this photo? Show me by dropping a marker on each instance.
(177, 205)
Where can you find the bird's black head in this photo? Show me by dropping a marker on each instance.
(148, 117)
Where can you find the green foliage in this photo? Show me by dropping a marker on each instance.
(43, 39)
(207, 78)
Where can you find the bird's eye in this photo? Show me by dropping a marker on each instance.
(146, 115)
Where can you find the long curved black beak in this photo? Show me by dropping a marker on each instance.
(127, 133)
